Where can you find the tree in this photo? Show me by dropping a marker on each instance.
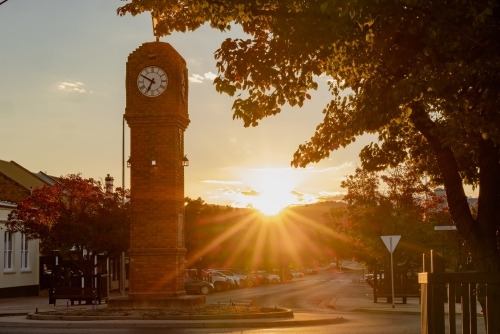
(407, 207)
(213, 233)
(423, 75)
(77, 217)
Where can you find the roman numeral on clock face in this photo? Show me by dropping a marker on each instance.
(152, 81)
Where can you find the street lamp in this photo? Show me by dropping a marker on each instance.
(185, 161)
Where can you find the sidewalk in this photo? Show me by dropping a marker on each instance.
(366, 304)
(13, 312)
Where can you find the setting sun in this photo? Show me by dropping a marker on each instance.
(271, 203)
(273, 190)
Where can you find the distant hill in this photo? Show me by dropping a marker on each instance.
(313, 211)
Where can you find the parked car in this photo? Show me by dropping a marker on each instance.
(311, 271)
(284, 274)
(269, 277)
(242, 274)
(252, 279)
(193, 285)
(219, 281)
(296, 274)
(234, 279)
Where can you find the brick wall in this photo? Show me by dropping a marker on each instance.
(12, 191)
(157, 126)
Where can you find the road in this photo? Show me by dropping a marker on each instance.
(310, 294)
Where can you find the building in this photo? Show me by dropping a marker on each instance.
(20, 275)
(440, 192)
(20, 260)
(25, 269)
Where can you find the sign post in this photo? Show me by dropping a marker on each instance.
(391, 241)
(445, 228)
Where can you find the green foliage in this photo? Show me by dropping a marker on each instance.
(407, 207)
(422, 75)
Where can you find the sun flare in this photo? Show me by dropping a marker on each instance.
(271, 204)
(274, 191)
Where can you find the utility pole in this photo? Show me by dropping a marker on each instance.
(122, 260)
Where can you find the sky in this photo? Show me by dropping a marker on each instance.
(62, 98)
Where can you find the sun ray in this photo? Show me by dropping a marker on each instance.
(311, 246)
(221, 238)
(252, 231)
(259, 247)
(284, 231)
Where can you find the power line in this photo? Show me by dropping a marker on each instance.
(3, 1)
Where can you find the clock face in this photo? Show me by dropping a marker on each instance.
(152, 81)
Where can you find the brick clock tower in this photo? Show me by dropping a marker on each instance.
(157, 114)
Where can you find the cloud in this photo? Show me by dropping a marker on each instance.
(272, 169)
(250, 193)
(72, 87)
(296, 193)
(210, 76)
(221, 182)
(334, 168)
(331, 195)
(306, 170)
(197, 78)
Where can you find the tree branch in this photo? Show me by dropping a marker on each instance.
(448, 23)
(457, 201)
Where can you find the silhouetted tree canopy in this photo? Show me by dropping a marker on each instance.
(423, 75)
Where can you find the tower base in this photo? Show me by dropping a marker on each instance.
(118, 303)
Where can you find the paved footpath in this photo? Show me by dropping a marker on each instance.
(13, 312)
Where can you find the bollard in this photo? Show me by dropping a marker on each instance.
(67, 305)
(36, 310)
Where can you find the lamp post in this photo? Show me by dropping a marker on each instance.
(122, 260)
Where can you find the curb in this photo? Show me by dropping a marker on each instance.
(386, 311)
(186, 324)
(479, 315)
(278, 315)
(13, 314)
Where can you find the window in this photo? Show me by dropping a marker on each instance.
(25, 253)
(7, 252)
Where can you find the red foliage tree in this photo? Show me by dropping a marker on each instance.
(77, 217)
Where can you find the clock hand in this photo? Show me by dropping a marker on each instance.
(145, 77)
(152, 82)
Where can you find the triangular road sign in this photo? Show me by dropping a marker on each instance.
(391, 241)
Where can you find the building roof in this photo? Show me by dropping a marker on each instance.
(47, 178)
(21, 175)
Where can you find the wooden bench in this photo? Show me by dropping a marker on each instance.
(73, 294)
(399, 292)
(396, 295)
